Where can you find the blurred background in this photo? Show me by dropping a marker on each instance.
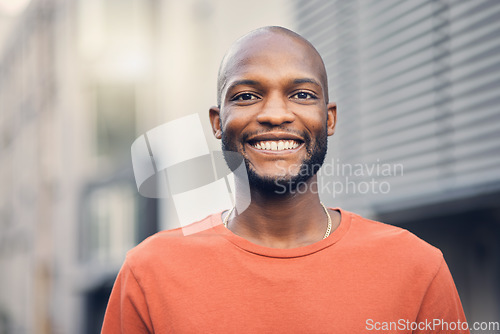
(417, 84)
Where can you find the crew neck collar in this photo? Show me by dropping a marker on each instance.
(335, 236)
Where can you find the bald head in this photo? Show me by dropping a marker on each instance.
(266, 38)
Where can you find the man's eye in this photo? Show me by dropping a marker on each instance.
(244, 97)
(304, 96)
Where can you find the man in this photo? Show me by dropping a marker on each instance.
(285, 264)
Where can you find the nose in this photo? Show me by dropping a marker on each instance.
(275, 111)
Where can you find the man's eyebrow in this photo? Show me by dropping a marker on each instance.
(306, 80)
(242, 82)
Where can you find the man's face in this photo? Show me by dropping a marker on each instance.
(273, 111)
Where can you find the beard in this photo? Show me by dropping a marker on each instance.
(316, 152)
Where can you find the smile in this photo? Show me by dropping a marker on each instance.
(275, 145)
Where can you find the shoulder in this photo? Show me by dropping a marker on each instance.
(172, 244)
(375, 232)
(393, 244)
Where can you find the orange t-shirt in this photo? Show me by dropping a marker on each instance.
(366, 277)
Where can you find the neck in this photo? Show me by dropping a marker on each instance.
(287, 220)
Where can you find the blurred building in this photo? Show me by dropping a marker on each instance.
(416, 84)
(70, 94)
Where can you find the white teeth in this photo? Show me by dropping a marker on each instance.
(276, 145)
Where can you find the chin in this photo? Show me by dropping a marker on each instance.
(278, 185)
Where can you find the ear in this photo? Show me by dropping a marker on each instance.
(214, 114)
(332, 117)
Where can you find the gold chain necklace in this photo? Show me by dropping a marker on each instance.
(328, 228)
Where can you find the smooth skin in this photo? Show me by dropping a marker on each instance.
(272, 85)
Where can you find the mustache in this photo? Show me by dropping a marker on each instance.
(302, 134)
